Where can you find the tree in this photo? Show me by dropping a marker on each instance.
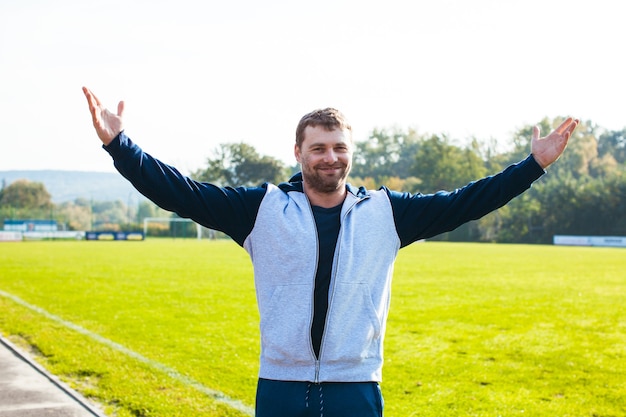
(148, 209)
(77, 214)
(235, 164)
(24, 194)
(613, 143)
(586, 206)
(25, 200)
(387, 153)
(110, 215)
(443, 166)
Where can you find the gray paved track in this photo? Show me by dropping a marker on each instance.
(27, 390)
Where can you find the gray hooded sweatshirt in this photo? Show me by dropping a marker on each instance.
(276, 226)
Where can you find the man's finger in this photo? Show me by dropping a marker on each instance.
(93, 97)
(120, 108)
(564, 126)
(96, 99)
(536, 132)
(569, 129)
(92, 105)
(88, 96)
(573, 126)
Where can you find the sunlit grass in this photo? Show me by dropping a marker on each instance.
(474, 329)
(488, 330)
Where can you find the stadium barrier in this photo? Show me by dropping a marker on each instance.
(65, 235)
(104, 235)
(614, 241)
(10, 236)
(20, 236)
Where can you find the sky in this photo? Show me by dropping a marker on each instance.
(198, 73)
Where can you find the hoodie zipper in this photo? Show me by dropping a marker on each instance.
(317, 260)
(331, 289)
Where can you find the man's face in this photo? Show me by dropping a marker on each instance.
(326, 158)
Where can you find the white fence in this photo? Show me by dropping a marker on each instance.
(19, 236)
(616, 241)
(10, 236)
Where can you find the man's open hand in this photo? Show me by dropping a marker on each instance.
(107, 124)
(548, 149)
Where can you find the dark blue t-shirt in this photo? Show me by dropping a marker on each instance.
(328, 223)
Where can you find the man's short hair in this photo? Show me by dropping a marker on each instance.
(329, 118)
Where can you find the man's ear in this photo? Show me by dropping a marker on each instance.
(296, 153)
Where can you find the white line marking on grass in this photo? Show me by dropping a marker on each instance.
(216, 395)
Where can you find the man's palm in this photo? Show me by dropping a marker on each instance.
(548, 149)
(108, 125)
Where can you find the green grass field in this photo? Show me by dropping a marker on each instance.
(170, 327)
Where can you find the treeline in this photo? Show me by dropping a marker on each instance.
(584, 193)
(29, 200)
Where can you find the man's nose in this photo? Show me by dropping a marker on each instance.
(330, 156)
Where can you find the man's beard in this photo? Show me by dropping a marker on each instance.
(316, 180)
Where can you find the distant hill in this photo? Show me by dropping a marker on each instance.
(69, 185)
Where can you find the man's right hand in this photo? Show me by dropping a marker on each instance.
(107, 124)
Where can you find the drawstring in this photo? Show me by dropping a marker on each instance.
(321, 397)
(306, 399)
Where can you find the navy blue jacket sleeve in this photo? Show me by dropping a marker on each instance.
(230, 210)
(421, 216)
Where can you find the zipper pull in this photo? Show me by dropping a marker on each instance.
(317, 372)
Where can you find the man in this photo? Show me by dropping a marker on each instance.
(323, 253)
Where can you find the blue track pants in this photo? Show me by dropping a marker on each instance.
(328, 399)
